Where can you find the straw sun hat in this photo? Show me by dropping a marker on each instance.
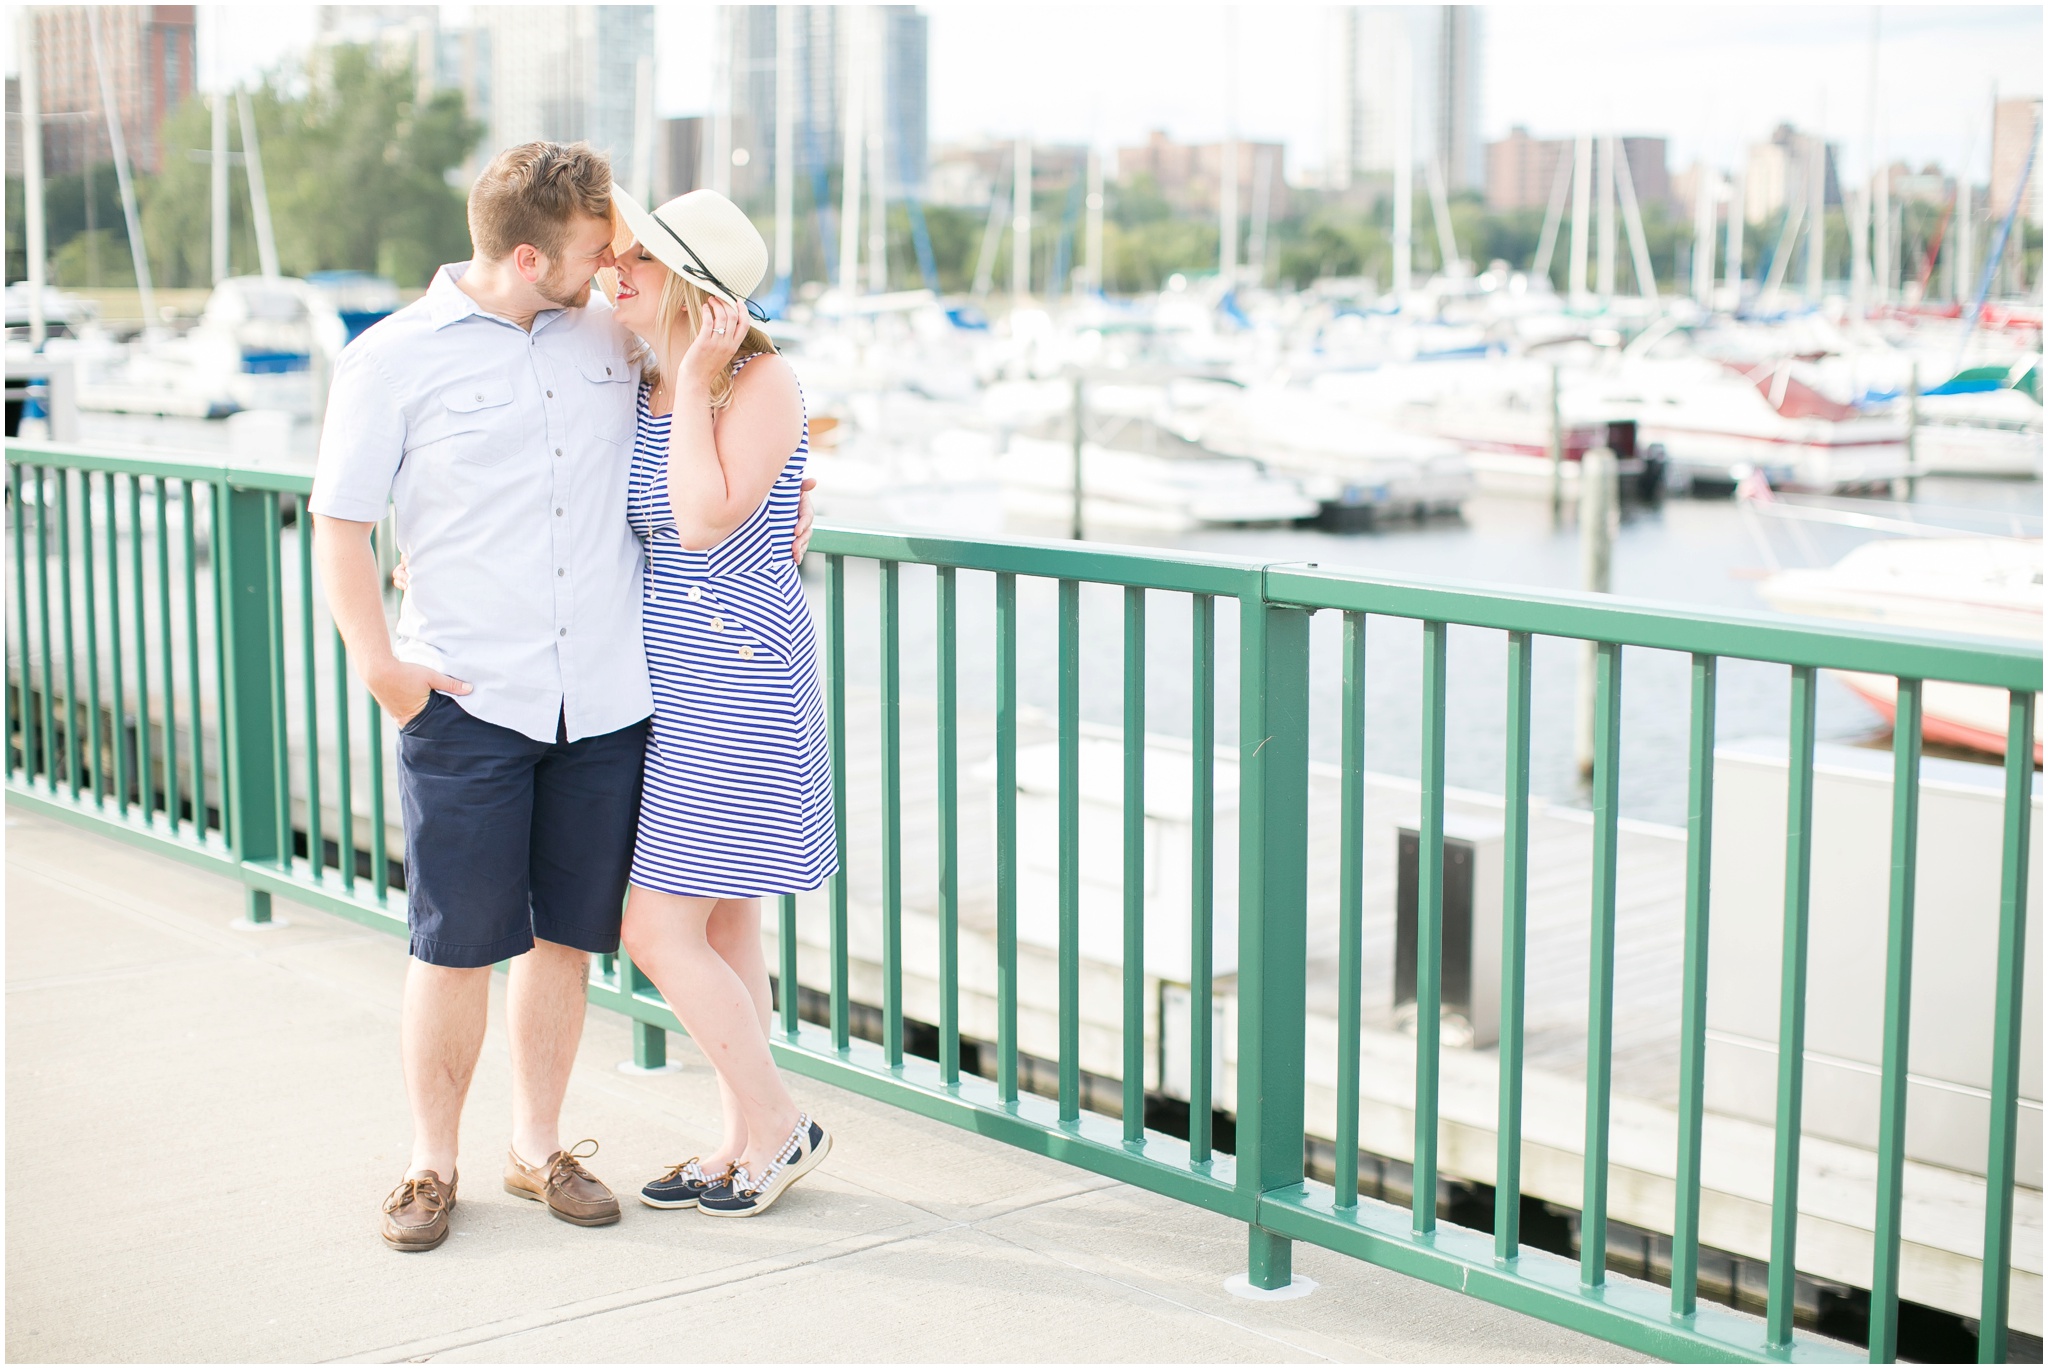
(703, 237)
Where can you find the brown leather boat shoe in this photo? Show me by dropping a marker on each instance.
(570, 1191)
(416, 1213)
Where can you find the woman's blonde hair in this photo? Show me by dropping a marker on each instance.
(679, 297)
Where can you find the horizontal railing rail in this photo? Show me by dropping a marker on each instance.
(173, 680)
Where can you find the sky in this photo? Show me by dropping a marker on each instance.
(1710, 78)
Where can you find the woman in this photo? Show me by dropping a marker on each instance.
(738, 799)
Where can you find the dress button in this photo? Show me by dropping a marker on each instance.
(694, 593)
(717, 624)
(746, 653)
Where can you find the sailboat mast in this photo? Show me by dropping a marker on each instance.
(1738, 213)
(119, 140)
(1607, 220)
(1582, 213)
(1816, 213)
(1706, 188)
(220, 187)
(1262, 209)
(259, 195)
(1404, 166)
(1632, 218)
(1226, 266)
(877, 131)
(785, 148)
(1095, 205)
(32, 171)
(850, 157)
(1020, 239)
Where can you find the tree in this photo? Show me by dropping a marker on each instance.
(357, 177)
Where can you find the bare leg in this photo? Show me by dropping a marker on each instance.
(728, 934)
(544, 1007)
(668, 937)
(441, 1031)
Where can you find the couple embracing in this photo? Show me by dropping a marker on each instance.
(604, 671)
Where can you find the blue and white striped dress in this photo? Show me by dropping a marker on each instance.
(738, 795)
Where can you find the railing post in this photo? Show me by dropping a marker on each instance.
(245, 572)
(1272, 917)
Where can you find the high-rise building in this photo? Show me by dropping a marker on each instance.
(1522, 172)
(1189, 176)
(1368, 47)
(1777, 169)
(823, 41)
(569, 73)
(151, 57)
(2013, 126)
(678, 157)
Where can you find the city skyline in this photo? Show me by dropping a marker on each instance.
(1808, 66)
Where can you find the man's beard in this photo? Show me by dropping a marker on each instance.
(559, 286)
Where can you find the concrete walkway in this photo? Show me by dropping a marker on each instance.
(202, 1121)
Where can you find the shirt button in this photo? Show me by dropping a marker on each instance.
(558, 451)
(563, 633)
(551, 394)
(558, 513)
(607, 370)
(479, 399)
(561, 570)
(717, 624)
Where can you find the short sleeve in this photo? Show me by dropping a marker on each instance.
(361, 442)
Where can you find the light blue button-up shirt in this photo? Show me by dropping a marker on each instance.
(506, 454)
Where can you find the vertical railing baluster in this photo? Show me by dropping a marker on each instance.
(43, 622)
(1350, 905)
(223, 732)
(169, 657)
(892, 816)
(1600, 969)
(71, 757)
(93, 732)
(344, 775)
(1202, 881)
(316, 845)
(1692, 1034)
(1272, 927)
(380, 859)
(1069, 666)
(1134, 865)
(281, 750)
(116, 650)
(1898, 1007)
(785, 947)
(835, 707)
(247, 574)
(192, 675)
(1006, 838)
(21, 623)
(1429, 925)
(1792, 1010)
(1514, 943)
(2008, 999)
(948, 761)
(145, 762)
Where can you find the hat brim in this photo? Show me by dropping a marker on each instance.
(642, 227)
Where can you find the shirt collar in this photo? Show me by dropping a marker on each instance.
(448, 303)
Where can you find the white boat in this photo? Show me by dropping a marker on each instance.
(1350, 464)
(1980, 586)
(261, 344)
(1131, 489)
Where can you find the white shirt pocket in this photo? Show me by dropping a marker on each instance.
(609, 387)
(471, 420)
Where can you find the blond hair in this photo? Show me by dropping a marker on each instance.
(679, 297)
(533, 194)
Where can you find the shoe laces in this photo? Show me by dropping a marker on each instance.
(568, 1164)
(425, 1190)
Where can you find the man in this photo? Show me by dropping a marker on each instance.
(496, 415)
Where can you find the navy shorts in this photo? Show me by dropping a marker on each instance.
(508, 839)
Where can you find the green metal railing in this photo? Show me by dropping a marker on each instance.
(127, 569)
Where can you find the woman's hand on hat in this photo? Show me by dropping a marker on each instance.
(720, 328)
